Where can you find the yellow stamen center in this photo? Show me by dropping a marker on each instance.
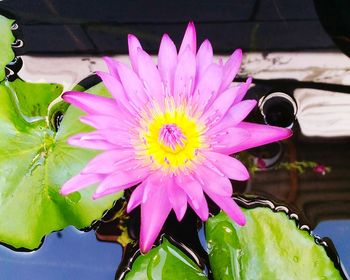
(169, 137)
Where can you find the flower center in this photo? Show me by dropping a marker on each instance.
(171, 136)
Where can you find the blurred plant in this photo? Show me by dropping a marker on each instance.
(257, 164)
(302, 166)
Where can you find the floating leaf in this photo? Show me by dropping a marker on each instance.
(6, 39)
(164, 262)
(270, 246)
(35, 161)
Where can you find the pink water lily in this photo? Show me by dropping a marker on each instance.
(169, 129)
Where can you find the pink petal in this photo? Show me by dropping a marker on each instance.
(167, 61)
(117, 91)
(120, 138)
(189, 40)
(237, 113)
(112, 66)
(243, 90)
(80, 181)
(150, 77)
(231, 167)
(91, 140)
(132, 85)
(259, 135)
(184, 76)
(136, 197)
(154, 212)
(134, 45)
(121, 180)
(230, 207)
(216, 183)
(202, 210)
(177, 198)
(90, 103)
(230, 139)
(104, 122)
(204, 58)
(155, 179)
(112, 190)
(207, 87)
(106, 163)
(231, 68)
(217, 110)
(191, 187)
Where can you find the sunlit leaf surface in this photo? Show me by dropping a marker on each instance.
(270, 246)
(35, 161)
(165, 262)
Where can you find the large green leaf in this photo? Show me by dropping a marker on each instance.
(165, 262)
(270, 246)
(6, 39)
(35, 161)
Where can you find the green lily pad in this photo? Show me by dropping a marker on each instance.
(6, 39)
(165, 262)
(35, 161)
(270, 246)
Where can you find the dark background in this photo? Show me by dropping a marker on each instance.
(96, 27)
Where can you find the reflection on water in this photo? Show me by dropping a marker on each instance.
(69, 254)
